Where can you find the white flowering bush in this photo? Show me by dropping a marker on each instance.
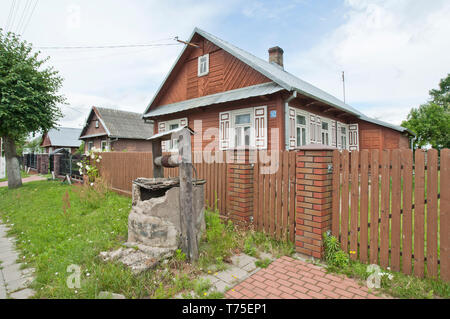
(88, 165)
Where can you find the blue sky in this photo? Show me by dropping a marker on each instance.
(393, 51)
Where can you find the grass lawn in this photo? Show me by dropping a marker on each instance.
(54, 232)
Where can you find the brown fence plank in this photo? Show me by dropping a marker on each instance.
(256, 202)
(345, 200)
(445, 215)
(432, 213)
(419, 212)
(406, 159)
(272, 203)
(292, 193)
(396, 213)
(354, 205)
(336, 192)
(385, 207)
(364, 208)
(266, 201)
(279, 196)
(285, 183)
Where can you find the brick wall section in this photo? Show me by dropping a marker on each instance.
(44, 164)
(314, 193)
(56, 159)
(240, 188)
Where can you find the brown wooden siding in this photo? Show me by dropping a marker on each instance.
(225, 73)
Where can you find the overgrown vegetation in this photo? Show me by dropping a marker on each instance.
(58, 225)
(395, 284)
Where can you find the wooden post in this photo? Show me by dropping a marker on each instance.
(190, 244)
(158, 171)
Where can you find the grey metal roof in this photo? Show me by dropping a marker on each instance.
(166, 135)
(233, 95)
(123, 124)
(64, 136)
(278, 75)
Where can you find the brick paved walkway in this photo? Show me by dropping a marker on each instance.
(33, 178)
(288, 278)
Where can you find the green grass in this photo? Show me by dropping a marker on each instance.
(57, 225)
(399, 286)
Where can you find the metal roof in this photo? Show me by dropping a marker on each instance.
(124, 124)
(278, 75)
(64, 136)
(166, 135)
(233, 95)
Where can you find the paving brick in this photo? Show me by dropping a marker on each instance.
(317, 295)
(287, 289)
(312, 287)
(343, 293)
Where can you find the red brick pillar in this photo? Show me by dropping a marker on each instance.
(56, 159)
(38, 163)
(240, 187)
(44, 164)
(314, 193)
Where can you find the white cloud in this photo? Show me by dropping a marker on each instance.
(393, 53)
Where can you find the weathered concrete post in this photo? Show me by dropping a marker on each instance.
(314, 196)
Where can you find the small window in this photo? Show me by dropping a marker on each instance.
(90, 145)
(325, 134)
(203, 65)
(96, 124)
(104, 146)
(174, 142)
(343, 138)
(242, 123)
(301, 120)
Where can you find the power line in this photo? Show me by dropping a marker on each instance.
(29, 17)
(22, 17)
(13, 18)
(107, 46)
(11, 10)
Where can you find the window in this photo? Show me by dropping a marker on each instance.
(343, 138)
(203, 65)
(325, 133)
(96, 124)
(104, 146)
(301, 130)
(174, 142)
(90, 146)
(242, 127)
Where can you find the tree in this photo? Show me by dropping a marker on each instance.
(28, 97)
(431, 121)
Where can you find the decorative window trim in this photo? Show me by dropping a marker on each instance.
(106, 146)
(301, 126)
(258, 128)
(206, 70)
(97, 125)
(167, 146)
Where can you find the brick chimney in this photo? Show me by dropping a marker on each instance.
(276, 56)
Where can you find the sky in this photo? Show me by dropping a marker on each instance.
(392, 51)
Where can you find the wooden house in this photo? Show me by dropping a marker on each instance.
(238, 100)
(61, 138)
(115, 130)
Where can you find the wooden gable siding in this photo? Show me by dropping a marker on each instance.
(46, 141)
(225, 73)
(91, 129)
(373, 136)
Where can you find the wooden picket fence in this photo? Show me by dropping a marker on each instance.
(391, 209)
(274, 196)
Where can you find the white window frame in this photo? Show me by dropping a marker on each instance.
(328, 131)
(206, 72)
(171, 146)
(301, 126)
(90, 145)
(106, 146)
(234, 126)
(97, 123)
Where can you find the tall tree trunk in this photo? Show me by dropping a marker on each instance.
(12, 163)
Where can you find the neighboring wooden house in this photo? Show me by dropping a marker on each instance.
(245, 97)
(114, 130)
(61, 138)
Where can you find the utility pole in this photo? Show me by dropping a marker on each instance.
(343, 83)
